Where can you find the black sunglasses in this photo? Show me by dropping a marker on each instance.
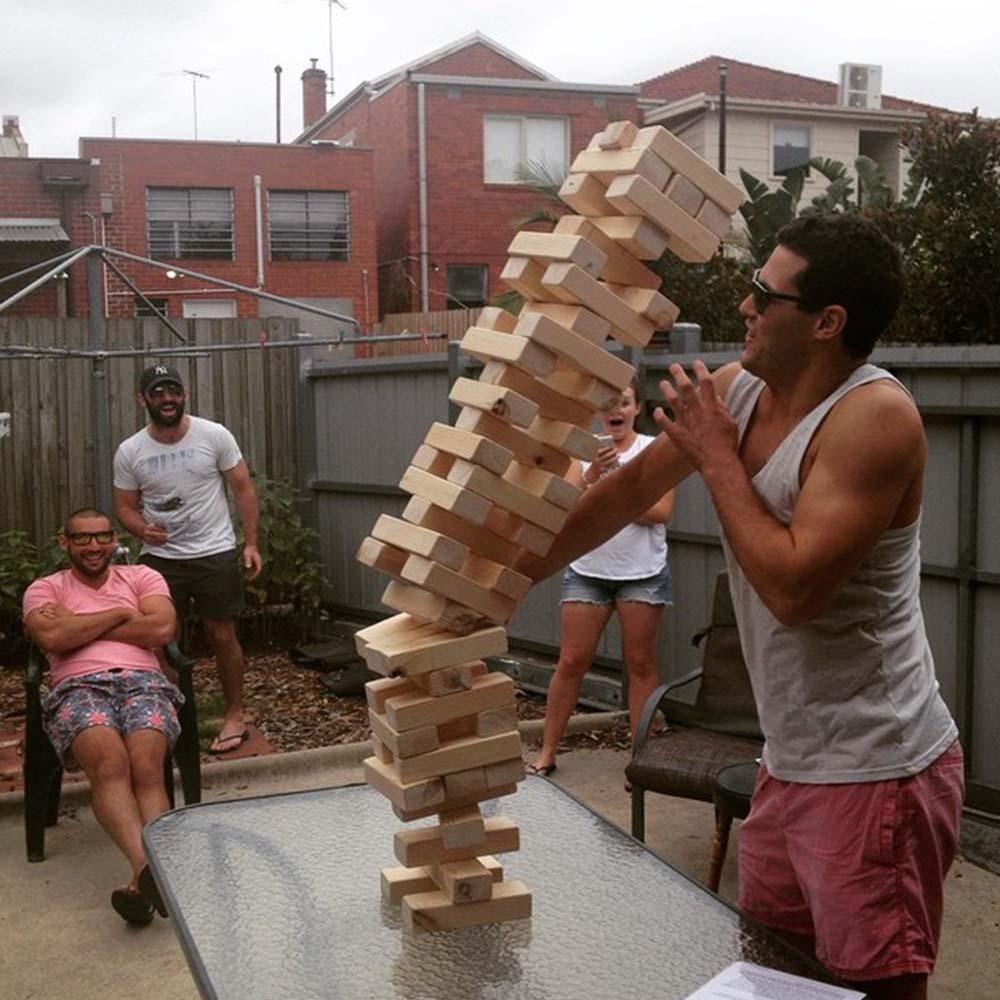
(86, 537)
(763, 296)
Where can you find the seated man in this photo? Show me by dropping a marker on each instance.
(111, 707)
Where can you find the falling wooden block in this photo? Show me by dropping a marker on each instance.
(683, 159)
(437, 463)
(717, 219)
(481, 541)
(686, 236)
(548, 247)
(378, 555)
(464, 827)
(544, 485)
(449, 680)
(467, 881)
(606, 165)
(416, 794)
(510, 496)
(591, 392)
(685, 194)
(495, 318)
(459, 755)
(414, 741)
(621, 267)
(568, 438)
(585, 194)
(657, 308)
(481, 794)
(526, 449)
(496, 576)
(581, 321)
(424, 846)
(503, 403)
(524, 276)
(434, 911)
(416, 711)
(551, 404)
(635, 234)
(445, 494)
(489, 345)
(453, 586)
(618, 135)
(377, 691)
(471, 447)
(523, 533)
(570, 284)
(431, 607)
(422, 541)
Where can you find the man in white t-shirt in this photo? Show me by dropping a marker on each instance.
(170, 492)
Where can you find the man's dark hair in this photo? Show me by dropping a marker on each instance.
(852, 264)
(85, 512)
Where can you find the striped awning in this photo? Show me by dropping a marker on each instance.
(32, 231)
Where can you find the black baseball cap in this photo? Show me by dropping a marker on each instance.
(156, 375)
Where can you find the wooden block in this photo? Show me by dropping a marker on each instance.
(548, 247)
(433, 911)
(589, 391)
(581, 321)
(543, 484)
(432, 608)
(437, 463)
(417, 711)
(525, 448)
(618, 135)
(570, 284)
(504, 403)
(422, 541)
(635, 234)
(481, 794)
(377, 691)
(406, 794)
(459, 755)
(400, 882)
(717, 219)
(683, 159)
(495, 576)
(394, 629)
(523, 533)
(524, 276)
(686, 236)
(418, 740)
(381, 751)
(445, 494)
(568, 438)
(448, 680)
(495, 318)
(504, 772)
(685, 194)
(496, 720)
(585, 194)
(468, 782)
(657, 308)
(490, 345)
(453, 586)
(481, 542)
(465, 881)
(378, 555)
(463, 827)
(424, 846)
(606, 165)
(471, 447)
(621, 267)
(509, 496)
(578, 353)
(551, 404)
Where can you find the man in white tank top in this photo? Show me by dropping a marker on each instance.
(815, 462)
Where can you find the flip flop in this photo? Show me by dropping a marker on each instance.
(150, 891)
(132, 907)
(543, 770)
(221, 744)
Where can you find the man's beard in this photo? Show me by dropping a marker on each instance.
(91, 569)
(153, 409)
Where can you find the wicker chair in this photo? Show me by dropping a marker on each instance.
(720, 729)
(43, 770)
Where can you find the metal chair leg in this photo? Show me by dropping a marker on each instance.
(638, 813)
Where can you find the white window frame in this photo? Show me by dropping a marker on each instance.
(314, 239)
(523, 120)
(775, 125)
(182, 234)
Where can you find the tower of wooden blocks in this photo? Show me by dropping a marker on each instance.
(491, 486)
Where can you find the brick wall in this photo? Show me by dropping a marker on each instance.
(479, 60)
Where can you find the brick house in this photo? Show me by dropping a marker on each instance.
(448, 132)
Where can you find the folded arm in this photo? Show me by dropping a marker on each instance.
(154, 624)
(58, 630)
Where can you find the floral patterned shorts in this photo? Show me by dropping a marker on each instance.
(124, 700)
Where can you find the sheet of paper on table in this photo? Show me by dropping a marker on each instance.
(746, 981)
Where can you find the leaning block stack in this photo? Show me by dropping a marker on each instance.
(490, 487)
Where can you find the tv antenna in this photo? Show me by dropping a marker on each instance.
(195, 77)
(329, 17)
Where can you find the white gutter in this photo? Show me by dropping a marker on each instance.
(422, 189)
(551, 86)
(260, 230)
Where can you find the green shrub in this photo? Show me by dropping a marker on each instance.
(21, 562)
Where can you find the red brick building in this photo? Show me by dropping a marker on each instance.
(449, 131)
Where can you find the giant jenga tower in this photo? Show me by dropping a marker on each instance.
(491, 486)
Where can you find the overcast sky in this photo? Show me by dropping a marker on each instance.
(68, 66)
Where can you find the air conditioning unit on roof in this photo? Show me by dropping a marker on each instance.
(860, 86)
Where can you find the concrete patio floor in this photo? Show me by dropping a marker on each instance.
(60, 937)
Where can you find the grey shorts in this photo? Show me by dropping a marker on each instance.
(596, 590)
(213, 583)
(123, 700)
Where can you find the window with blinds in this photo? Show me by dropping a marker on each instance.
(309, 225)
(190, 222)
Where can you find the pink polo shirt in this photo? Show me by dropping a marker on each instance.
(125, 586)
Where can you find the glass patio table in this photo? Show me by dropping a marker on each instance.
(279, 897)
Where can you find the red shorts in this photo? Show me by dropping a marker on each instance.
(859, 867)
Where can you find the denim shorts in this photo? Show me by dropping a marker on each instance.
(123, 700)
(654, 589)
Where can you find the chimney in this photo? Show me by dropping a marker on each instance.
(16, 146)
(313, 94)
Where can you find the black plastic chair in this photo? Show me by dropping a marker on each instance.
(43, 770)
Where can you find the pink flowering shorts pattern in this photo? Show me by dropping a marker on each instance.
(124, 700)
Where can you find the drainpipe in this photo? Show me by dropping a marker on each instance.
(260, 230)
(723, 77)
(422, 166)
(364, 278)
